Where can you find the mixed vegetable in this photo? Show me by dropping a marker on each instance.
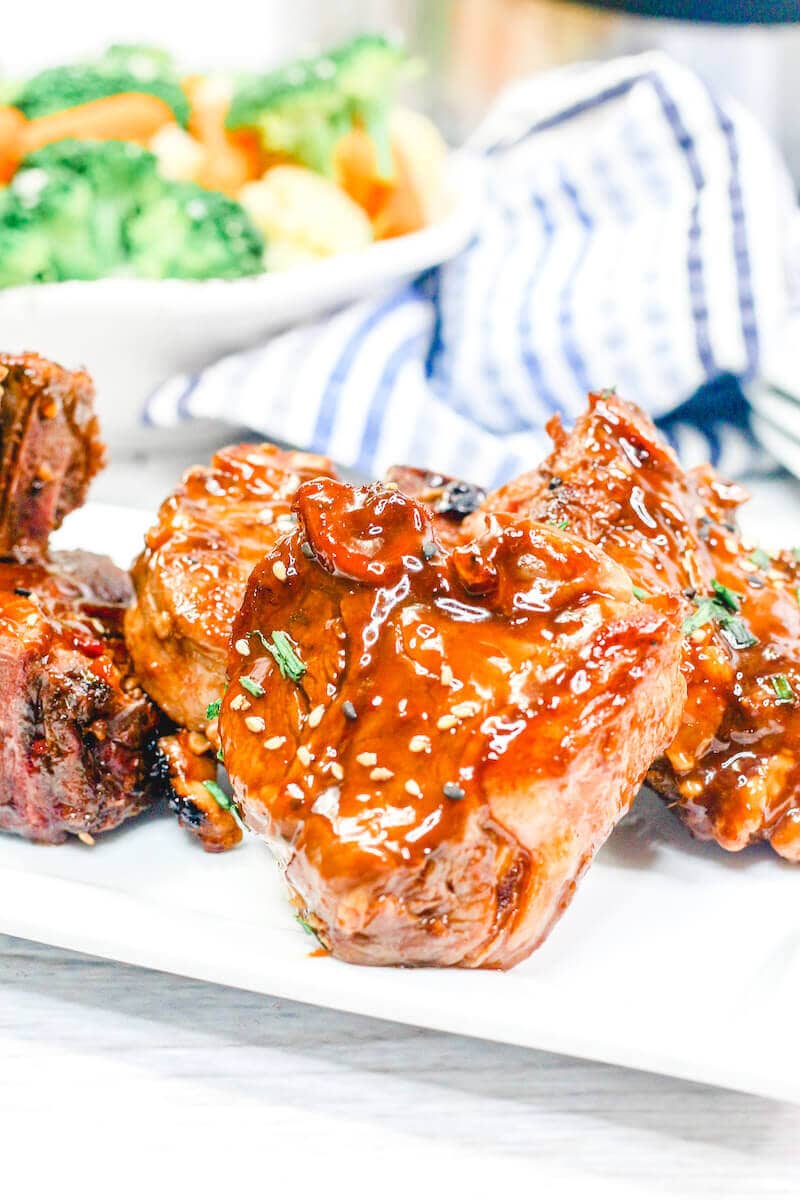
(119, 166)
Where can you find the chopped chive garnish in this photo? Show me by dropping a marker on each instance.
(559, 524)
(213, 710)
(737, 634)
(707, 610)
(282, 649)
(721, 607)
(782, 688)
(250, 685)
(640, 594)
(759, 558)
(303, 923)
(728, 597)
(220, 755)
(216, 791)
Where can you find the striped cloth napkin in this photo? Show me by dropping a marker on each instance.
(633, 234)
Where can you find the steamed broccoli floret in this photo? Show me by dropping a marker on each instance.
(303, 109)
(191, 233)
(84, 210)
(121, 69)
(45, 228)
(298, 111)
(113, 179)
(25, 250)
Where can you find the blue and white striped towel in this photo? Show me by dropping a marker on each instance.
(634, 234)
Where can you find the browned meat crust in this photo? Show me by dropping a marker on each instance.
(77, 735)
(190, 766)
(50, 449)
(435, 741)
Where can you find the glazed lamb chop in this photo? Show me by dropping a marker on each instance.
(435, 739)
(190, 577)
(189, 582)
(733, 770)
(77, 734)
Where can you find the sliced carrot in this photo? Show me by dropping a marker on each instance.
(129, 116)
(231, 159)
(356, 171)
(12, 124)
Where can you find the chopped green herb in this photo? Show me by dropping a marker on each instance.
(282, 649)
(640, 594)
(220, 755)
(782, 688)
(737, 634)
(707, 610)
(728, 597)
(216, 791)
(213, 710)
(759, 558)
(796, 552)
(250, 685)
(559, 524)
(303, 923)
(721, 608)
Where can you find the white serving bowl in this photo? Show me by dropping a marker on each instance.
(132, 334)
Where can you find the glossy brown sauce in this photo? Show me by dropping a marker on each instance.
(439, 681)
(191, 576)
(734, 767)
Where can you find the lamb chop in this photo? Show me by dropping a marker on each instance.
(189, 581)
(77, 734)
(50, 449)
(190, 577)
(733, 771)
(436, 739)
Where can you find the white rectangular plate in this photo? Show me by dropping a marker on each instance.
(674, 957)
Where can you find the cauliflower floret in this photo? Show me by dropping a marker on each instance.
(304, 216)
(180, 156)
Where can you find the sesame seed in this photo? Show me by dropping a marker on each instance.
(467, 708)
(279, 571)
(305, 755)
(381, 773)
(86, 838)
(240, 702)
(273, 743)
(349, 710)
(446, 675)
(418, 743)
(242, 646)
(428, 549)
(336, 771)
(453, 791)
(255, 724)
(367, 758)
(447, 721)
(413, 788)
(316, 715)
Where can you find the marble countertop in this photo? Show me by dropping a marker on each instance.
(156, 1077)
